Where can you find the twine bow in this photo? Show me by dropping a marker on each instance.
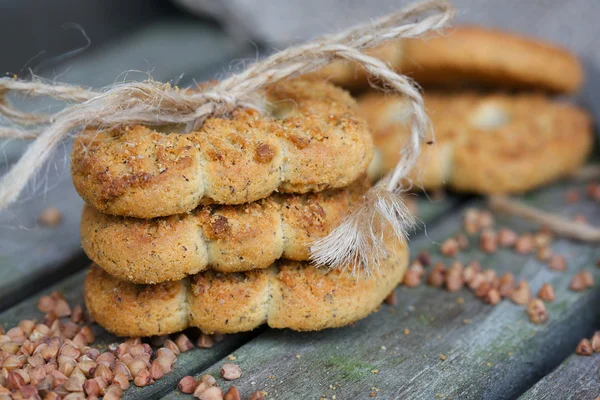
(359, 240)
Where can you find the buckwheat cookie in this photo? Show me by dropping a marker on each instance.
(487, 144)
(289, 294)
(353, 77)
(311, 140)
(224, 238)
(466, 55)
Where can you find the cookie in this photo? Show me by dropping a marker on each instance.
(289, 294)
(224, 238)
(467, 55)
(350, 76)
(311, 140)
(486, 144)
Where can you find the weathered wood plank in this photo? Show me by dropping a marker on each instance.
(577, 378)
(491, 352)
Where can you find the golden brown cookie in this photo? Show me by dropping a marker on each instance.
(353, 77)
(485, 144)
(311, 141)
(290, 294)
(224, 238)
(466, 55)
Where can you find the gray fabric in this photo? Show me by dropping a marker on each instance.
(572, 23)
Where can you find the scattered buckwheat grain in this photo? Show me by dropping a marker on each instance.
(584, 348)
(536, 310)
(230, 372)
(546, 293)
(524, 244)
(449, 247)
(50, 216)
(557, 263)
(507, 237)
(522, 294)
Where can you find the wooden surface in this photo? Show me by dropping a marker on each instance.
(497, 354)
(578, 377)
(491, 352)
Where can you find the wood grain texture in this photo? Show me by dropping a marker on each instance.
(497, 353)
(577, 378)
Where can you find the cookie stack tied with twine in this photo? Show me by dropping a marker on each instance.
(238, 203)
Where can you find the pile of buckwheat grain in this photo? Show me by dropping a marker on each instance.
(54, 359)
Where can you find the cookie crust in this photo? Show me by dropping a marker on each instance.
(140, 172)
(290, 294)
(223, 238)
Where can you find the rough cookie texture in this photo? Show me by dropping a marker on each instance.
(485, 144)
(465, 55)
(353, 77)
(224, 238)
(290, 294)
(311, 141)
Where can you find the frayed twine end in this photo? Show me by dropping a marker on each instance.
(359, 242)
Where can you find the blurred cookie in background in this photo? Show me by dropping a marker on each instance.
(472, 56)
(484, 143)
(353, 77)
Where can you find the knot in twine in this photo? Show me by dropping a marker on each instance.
(359, 240)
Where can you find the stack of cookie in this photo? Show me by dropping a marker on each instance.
(488, 94)
(212, 228)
